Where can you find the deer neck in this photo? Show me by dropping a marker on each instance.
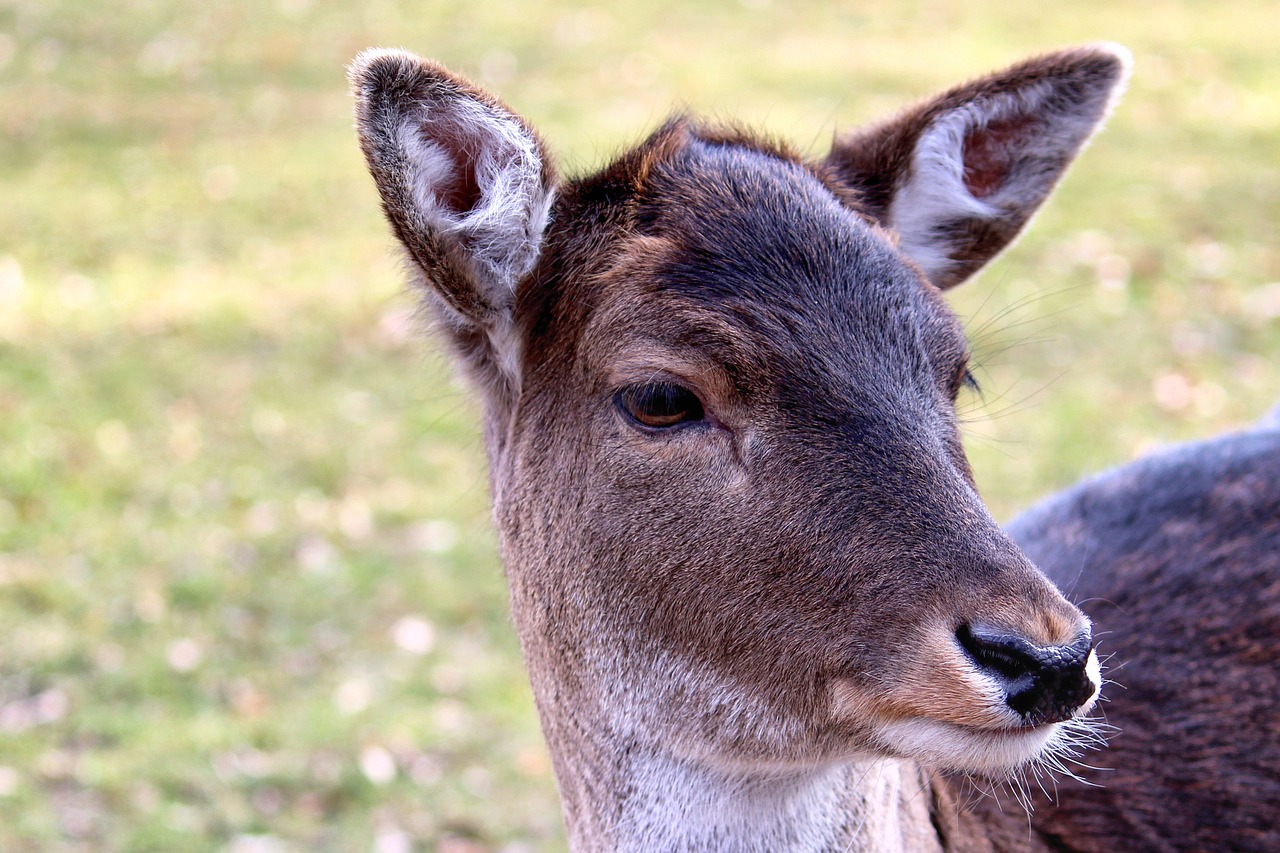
(623, 792)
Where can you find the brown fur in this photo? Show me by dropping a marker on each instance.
(741, 608)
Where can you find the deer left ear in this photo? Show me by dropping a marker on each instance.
(957, 177)
(466, 184)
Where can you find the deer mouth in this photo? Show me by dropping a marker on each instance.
(969, 729)
(954, 746)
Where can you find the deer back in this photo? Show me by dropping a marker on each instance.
(1176, 558)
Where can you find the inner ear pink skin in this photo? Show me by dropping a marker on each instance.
(989, 153)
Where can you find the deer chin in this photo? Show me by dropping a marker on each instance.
(952, 746)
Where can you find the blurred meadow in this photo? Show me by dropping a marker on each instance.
(249, 595)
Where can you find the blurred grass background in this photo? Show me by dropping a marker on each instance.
(249, 599)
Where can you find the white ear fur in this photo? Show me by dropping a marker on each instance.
(462, 178)
(504, 229)
(934, 193)
(932, 197)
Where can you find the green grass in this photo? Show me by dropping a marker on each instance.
(248, 589)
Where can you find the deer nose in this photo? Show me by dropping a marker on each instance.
(1045, 684)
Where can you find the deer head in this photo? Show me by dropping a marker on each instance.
(739, 527)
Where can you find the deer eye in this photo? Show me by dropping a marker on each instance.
(660, 405)
(964, 378)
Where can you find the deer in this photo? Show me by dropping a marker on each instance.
(761, 604)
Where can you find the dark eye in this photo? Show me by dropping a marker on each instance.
(964, 379)
(660, 405)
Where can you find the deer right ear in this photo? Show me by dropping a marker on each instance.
(958, 176)
(465, 183)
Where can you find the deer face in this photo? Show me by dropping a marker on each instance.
(733, 504)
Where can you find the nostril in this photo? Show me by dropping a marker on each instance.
(1042, 683)
(1005, 653)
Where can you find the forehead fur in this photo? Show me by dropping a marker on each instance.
(762, 224)
(695, 219)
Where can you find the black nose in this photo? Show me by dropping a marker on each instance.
(1045, 684)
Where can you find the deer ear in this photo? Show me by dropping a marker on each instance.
(957, 177)
(465, 183)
